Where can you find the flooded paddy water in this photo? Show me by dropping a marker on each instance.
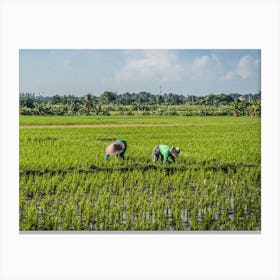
(215, 184)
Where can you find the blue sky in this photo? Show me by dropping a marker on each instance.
(180, 71)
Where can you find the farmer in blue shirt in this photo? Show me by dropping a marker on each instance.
(117, 148)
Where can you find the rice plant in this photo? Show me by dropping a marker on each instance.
(65, 183)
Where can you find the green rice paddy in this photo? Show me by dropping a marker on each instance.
(65, 183)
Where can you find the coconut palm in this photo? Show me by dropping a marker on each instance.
(74, 106)
(88, 103)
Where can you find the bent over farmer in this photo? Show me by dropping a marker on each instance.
(116, 148)
(165, 152)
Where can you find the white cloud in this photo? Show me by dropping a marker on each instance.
(229, 75)
(201, 62)
(151, 68)
(247, 67)
(153, 65)
(204, 68)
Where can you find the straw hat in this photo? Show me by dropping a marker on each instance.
(115, 148)
(174, 151)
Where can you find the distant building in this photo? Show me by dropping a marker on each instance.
(241, 98)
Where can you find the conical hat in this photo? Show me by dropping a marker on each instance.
(174, 151)
(115, 148)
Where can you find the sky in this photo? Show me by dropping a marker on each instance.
(189, 72)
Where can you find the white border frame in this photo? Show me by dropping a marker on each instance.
(147, 24)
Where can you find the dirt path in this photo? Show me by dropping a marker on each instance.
(112, 125)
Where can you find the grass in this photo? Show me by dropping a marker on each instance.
(68, 120)
(65, 183)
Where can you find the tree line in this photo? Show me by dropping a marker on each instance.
(142, 103)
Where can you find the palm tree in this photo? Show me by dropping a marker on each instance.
(88, 103)
(74, 105)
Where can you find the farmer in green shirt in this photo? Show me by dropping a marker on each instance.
(165, 152)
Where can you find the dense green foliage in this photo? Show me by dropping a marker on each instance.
(142, 103)
(65, 183)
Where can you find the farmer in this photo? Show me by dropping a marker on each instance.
(165, 152)
(117, 148)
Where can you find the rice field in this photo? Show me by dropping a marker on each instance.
(66, 185)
